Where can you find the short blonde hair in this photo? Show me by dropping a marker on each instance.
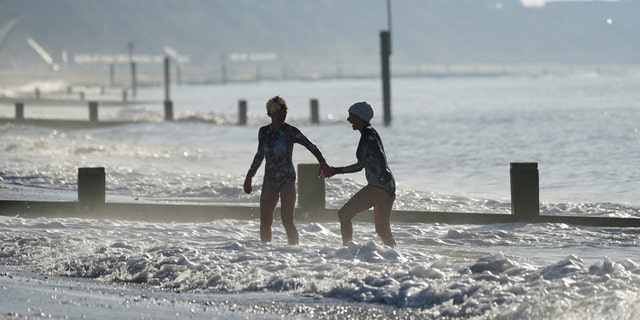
(276, 103)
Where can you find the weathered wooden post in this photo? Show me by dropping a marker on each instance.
(19, 111)
(315, 117)
(242, 112)
(168, 105)
(167, 79)
(525, 191)
(134, 81)
(93, 111)
(311, 191)
(91, 187)
(168, 110)
(385, 52)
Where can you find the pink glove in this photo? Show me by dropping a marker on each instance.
(247, 185)
(326, 170)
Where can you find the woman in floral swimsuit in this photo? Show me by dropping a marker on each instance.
(275, 144)
(380, 192)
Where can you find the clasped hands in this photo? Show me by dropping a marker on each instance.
(325, 170)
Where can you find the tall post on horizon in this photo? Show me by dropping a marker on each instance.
(134, 82)
(133, 70)
(167, 78)
(385, 53)
(168, 104)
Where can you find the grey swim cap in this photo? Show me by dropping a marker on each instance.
(363, 110)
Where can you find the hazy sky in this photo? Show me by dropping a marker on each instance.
(541, 3)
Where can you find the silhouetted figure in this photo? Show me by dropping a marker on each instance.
(275, 144)
(380, 192)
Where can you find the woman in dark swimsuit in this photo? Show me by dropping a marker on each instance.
(380, 192)
(275, 144)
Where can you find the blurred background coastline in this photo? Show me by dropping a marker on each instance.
(94, 42)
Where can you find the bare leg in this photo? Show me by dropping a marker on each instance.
(268, 202)
(287, 206)
(382, 217)
(364, 199)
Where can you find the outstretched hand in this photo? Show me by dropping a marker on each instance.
(247, 185)
(326, 170)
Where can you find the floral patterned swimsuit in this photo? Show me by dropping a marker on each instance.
(277, 148)
(371, 157)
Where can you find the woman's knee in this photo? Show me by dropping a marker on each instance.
(344, 216)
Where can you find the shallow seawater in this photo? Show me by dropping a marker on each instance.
(494, 271)
(449, 146)
(450, 137)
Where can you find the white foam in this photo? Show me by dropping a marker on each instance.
(458, 276)
(449, 150)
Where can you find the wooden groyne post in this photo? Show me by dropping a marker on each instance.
(168, 105)
(385, 52)
(167, 78)
(93, 111)
(315, 115)
(311, 191)
(242, 112)
(134, 82)
(91, 187)
(19, 111)
(168, 110)
(525, 191)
